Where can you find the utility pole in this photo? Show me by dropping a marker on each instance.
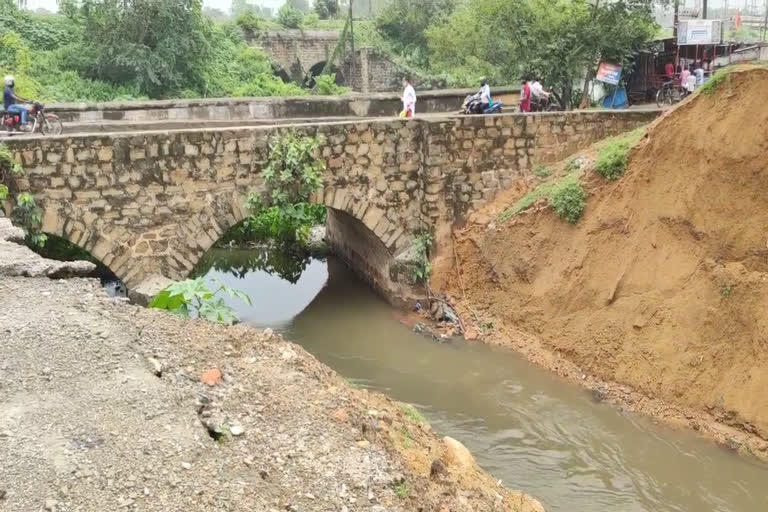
(352, 37)
(676, 19)
(765, 21)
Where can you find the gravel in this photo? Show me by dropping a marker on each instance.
(103, 408)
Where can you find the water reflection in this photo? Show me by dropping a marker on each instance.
(528, 427)
(278, 287)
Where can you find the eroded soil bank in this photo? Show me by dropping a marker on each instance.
(108, 406)
(657, 298)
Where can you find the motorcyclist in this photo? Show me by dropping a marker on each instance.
(485, 94)
(538, 95)
(11, 101)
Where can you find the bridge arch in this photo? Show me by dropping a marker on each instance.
(318, 68)
(152, 203)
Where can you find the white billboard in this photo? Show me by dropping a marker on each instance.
(698, 32)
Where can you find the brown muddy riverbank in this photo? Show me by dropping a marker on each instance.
(656, 299)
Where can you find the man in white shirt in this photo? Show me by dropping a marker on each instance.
(485, 94)
(538, 95)
(699, 74)
(409, 99)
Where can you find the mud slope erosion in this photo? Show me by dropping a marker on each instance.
(663, 285)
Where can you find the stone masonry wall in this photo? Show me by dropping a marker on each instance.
(153, 203)
(296, 51)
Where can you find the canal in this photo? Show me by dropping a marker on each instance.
(526, 426)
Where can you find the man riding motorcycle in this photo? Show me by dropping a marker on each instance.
(539, 96)
(485, 94)
(11, 101)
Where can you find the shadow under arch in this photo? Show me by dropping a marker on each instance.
(318, 68)
(282, 74)
(62, 249)
(354, 240)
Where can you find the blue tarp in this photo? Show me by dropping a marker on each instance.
(616, 99)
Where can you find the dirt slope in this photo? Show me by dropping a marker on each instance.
(663, 285)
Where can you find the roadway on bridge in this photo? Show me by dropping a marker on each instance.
(111, 127)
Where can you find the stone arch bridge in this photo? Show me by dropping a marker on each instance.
(151, 204)
(298, 53)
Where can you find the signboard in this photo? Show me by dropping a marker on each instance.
(609, 73)
(698, 32)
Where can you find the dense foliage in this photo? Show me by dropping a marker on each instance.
(292, 174)
(290, 17)
(555, 40)
(101, 50)
(569, 200)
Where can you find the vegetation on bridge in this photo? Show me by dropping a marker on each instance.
(26, 213)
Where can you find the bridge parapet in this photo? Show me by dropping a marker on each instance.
(152, 203)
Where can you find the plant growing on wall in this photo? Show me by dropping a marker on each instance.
(193, 297)
(422, 267)
(292, 174)
(27, 215)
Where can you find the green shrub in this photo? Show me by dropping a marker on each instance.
(542, 171)
(250, 23)
(422, 268)
(293, 172)
(311, 20)
(715, 81)
(612, 160)
(325, 85)
(569, 200)
(289, 17)
(193, 297)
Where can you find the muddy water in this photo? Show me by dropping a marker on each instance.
(526, 426)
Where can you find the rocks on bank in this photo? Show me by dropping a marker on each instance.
(109, 406)
(18, 260)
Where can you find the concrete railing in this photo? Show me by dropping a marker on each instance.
(240, 109)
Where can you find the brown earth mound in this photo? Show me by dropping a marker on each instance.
(663, 285)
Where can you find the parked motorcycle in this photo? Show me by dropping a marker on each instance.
(473, 105)
(38, 121)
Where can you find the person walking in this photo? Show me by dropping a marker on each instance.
(525, 96)
(409, 99)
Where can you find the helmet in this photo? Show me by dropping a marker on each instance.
(483, 81)
(9, 80)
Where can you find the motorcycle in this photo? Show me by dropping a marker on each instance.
(544, 104)
(473, 105)
(37, 121)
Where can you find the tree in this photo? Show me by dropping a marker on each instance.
(556, 40)
(289, 17)
(405, 23)
(326, 9)
(160, 46)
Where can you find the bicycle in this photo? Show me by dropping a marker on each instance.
(668, 95)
